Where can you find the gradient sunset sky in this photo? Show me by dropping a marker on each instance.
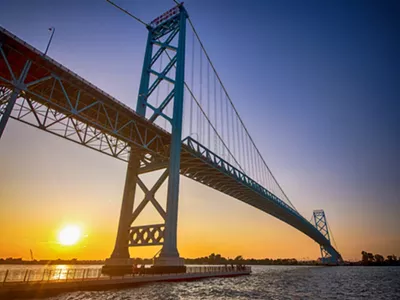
(317, 83)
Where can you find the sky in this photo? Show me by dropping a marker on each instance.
(317, 84)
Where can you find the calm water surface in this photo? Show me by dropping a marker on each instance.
(268, 282)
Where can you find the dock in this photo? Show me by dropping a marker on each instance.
(46, 282)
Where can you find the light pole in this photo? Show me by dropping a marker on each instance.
(52, 29)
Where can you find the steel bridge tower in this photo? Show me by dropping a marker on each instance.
(161, 33)
(322, 226)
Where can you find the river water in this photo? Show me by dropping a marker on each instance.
(268, 282)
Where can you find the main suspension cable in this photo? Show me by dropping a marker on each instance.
(128, 13)
(236, 112)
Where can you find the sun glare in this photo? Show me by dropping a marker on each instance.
(69, 235)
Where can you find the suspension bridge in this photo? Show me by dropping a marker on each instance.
(185, 123)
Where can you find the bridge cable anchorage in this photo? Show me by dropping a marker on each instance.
(237, 114)
(128, 13)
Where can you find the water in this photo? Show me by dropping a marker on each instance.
(268, 282)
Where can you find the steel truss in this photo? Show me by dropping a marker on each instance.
(60, 105)
(322, 226)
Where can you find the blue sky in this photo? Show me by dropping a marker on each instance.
(316, 82)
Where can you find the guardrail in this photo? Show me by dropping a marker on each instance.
(19, 276)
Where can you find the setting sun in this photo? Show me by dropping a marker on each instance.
(69, 235)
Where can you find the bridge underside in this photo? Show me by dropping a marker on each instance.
(56, 100)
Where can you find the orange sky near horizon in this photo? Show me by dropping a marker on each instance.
(47, 188)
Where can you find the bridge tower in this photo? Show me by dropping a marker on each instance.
(322, 226)
(165, 32)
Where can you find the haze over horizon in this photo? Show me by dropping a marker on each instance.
(317, 85)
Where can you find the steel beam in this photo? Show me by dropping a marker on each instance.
(18, 86)
(169, 249)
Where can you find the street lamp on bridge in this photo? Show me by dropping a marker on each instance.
(52, 29)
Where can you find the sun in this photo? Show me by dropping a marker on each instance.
(69, 235)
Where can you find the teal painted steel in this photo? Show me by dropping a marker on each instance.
(170, 27)
(170, 239)
(145, 79)
(13, 97)
(327, 256)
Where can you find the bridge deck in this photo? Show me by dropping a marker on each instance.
(59, 101)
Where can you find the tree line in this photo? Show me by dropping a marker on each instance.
(218, 259)
(367, 259)
(370, 259)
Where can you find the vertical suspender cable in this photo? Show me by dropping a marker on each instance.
(247, 154)
(228, 127)
(201, 97)
(263, 177)
(243, 147)
(239, 141)
(222, 120)
(208, 106)
(232, 134)
(192, 86)
(258, 152)
(215, 115)
(238, 156)
(253, 163)
(209, 122)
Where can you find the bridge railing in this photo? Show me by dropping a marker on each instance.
(29, 275)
